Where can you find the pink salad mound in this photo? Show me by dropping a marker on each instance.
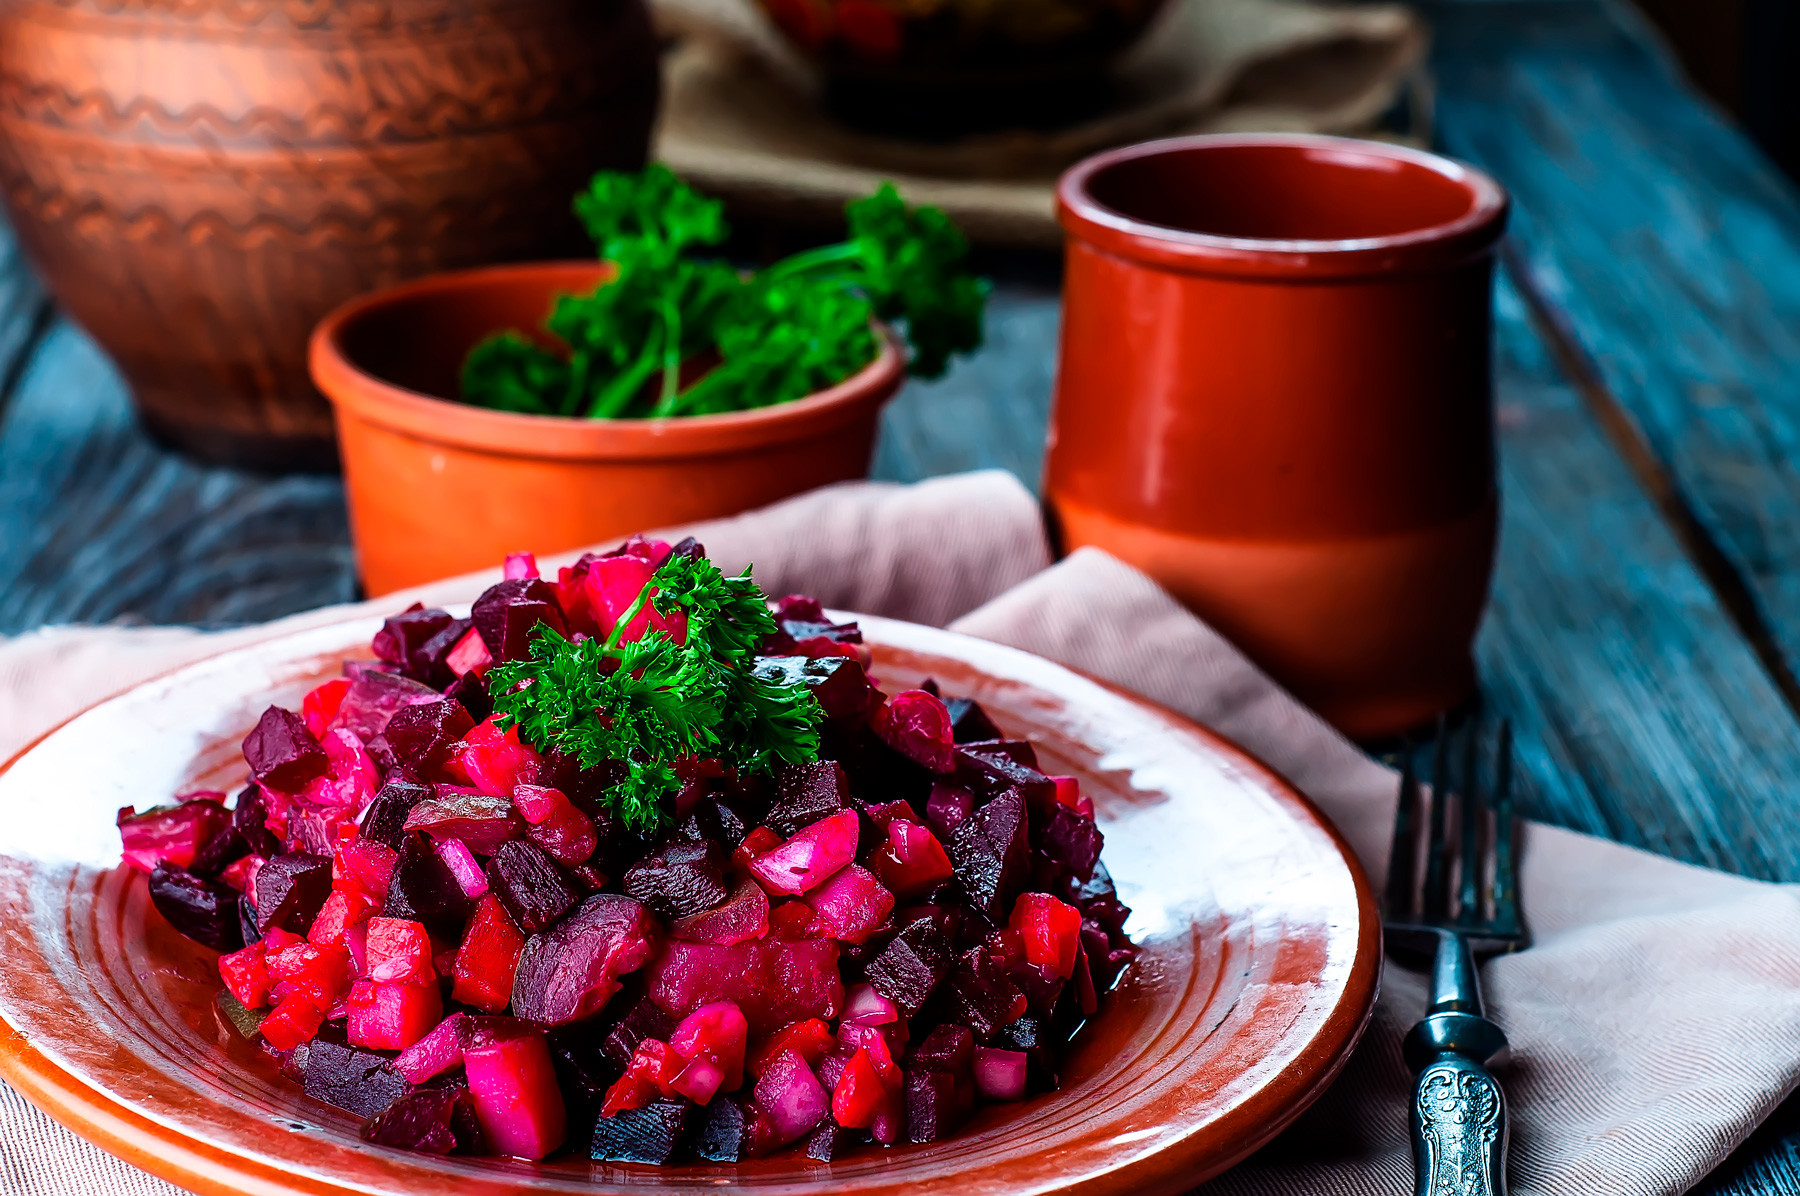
(483, 933)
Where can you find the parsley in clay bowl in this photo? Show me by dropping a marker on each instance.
(556, 404)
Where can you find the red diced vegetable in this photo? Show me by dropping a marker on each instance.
(321, 704)
(1051, 932)
(859, 1094)
(482, 821)
(553, 823)
(312, 973)
(366, 865)
(495, 761)
(773, 981)
(759, 840)
(1000, 1075)
(399, 952)
(391, 1017)
(470, 655)
(240, 874)
(715, 1036)
(850, 905)
(488, 958)
(864, 1006)
(436, 1053)
(916, 724)
(342, 910)
(513, 1085)
(790, 1097)
(246, 975)
(810, 1038)
(519, 564)
(745, 915)
(811, 857)
(912, 862)
(171, 834)
(293, 1021)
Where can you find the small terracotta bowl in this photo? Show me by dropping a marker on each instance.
(437, 487)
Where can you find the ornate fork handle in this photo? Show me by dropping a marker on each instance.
(1459, 1129)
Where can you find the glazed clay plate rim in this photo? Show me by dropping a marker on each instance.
(1169, 1154)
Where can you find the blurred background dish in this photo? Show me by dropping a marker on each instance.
(199, 182)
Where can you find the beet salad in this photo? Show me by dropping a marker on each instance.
(630, 863)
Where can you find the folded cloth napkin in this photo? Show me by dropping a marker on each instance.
(1654, 1021)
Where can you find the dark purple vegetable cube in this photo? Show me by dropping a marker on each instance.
(948, 1048)
(583, 1071)
(1039, 1045)
(530, 885)
(991, 853)
(684, 878)
(249, 818)
(470, 691)
(506, 615)
(982, 994)
(1068, 837)
(912, 966)
(713, 819)
(223, 848)
(936, 1104)
(422, 1120)
(569, 972)
(203, 910)
(646, 1019)
(990, 769)
(651, 1134)
(719, 1132)
(969, 723)
(385, 821)
(839, 683)
(421, 736)
(424, 889)
(482, 822)
(832, 1141)
(356, 1080)
(403, 638)
(427, 662)
(281, 752)
(805, 793)
(373, 698)
(290, 889)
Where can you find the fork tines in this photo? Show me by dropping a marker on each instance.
(1453, 864)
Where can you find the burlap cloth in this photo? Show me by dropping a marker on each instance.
(739, 117)
(1654, 1021)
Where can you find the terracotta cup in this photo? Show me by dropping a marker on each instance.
(437, 487)
(1275, 397)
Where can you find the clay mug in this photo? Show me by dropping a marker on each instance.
(1275, 397)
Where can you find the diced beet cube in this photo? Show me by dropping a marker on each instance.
(481, 821)
(863, 1005)
(1069, 837)
(1051, 931)
(719, 1135)
(311, 831)
(683, 879)
(946, 809)
(506, 614)
(832, 1141)
(969, 723)
(246, 975)
(813, 855)
(743, 916)
(391, 1017)
(399, 952)
(375, 697)
(645, 1020)
(991, 853)
(420, 1120)
(916, 724)
(355, 1080)
(840, 684)
(530, 885)
(948, 1048)
(773, 981)
(513, 1084)
(424, 889)
(293, 1021)
(365, 865)
(910, 969)
(850, 905)
(983, 994)
(859, 1093)
(806, 793)
(488, 958)
(385, 821)
(436, 1053)
(343, 909)
(403, 633)
(989, 769)
(999, 1074)
(651, 1134)
(203, 910)
(289, 891)
(571, 971)
(935, 1107)
(1029, 1037)
(712, 1039)
(423, 736)
(317, 974)
(282, 752)
(171, 834)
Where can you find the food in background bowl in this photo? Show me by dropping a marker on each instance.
(627, 850)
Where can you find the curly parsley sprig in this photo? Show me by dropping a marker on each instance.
(652, 701)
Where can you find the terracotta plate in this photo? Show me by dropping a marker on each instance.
(1258, 971)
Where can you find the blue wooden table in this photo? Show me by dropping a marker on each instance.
(1644, 635)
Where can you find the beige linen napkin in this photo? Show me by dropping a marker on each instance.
(1654, 1022)
(739, 117)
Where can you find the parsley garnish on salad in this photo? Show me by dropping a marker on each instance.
(661, 698)
(785, 332)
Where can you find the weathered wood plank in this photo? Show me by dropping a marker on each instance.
(97, 523)
(1668, 245)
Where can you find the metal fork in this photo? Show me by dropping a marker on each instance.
(1453, 896)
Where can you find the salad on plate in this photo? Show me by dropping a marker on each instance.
(632, 861)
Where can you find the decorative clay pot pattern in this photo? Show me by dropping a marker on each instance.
(199, 181)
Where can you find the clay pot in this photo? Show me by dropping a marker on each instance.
(1275, 397)
(437, 487)
(199, 181)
